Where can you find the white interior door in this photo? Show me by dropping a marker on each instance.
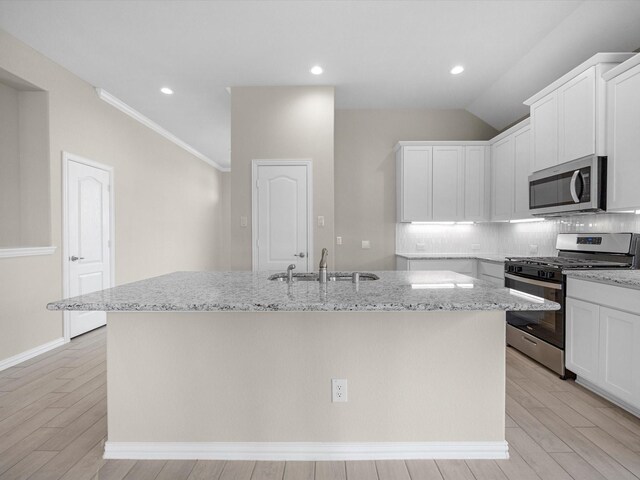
(281, 216)
(88, 234)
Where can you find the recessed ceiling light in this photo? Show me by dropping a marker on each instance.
(316, 70)
(457, 69)
(166, 91)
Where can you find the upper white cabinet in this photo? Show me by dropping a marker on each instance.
(448, 183)
(439, 182)
(623, 136)
(568, 116)
(413, 177)
(476, 183)
(510, 170)
(544, 123)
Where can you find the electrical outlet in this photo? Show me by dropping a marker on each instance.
(243, 221)
(338, 240)
(338, 389)
(475, 246)
(366, 244)
(420, 247)
(533, 249)
(320, 221)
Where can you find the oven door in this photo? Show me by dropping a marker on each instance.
(545, 325)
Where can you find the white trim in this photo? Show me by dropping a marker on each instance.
(254, 206)
(123, 107)
(29, 354)
(66, 158)
(616, 57)
(26, 251)
(606, 395)
(440, 143)
(621, 68)
(511, 130)
(309, 451)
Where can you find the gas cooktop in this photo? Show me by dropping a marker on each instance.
(567, 263)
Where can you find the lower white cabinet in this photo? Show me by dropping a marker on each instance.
(602, 342)
(491, 272)
(582, 338)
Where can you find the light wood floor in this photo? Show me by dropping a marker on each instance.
(53, 426)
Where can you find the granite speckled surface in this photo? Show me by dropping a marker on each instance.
(487, 257)
(620, 278)
(253, 292)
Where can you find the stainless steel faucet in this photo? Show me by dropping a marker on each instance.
(322, 270)
(290, 272)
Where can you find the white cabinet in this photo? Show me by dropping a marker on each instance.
(438, 182)
(603, 339)
(568, 118)
(510, 170)
(465, 266)
(582, 338)
(491, 272)
(476, 183)
(502, 171)
(413, 178)
(522, 170)
(620, 354)
(623, 138)
(544, 126)
(577, 117)
(448, 183)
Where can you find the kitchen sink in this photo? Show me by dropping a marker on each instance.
(332, 277)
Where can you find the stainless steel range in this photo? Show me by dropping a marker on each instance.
(540, 335)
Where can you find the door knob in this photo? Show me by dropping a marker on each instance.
(75, 259)
(301, 254)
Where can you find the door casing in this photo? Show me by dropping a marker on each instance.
(66, 158)
(254, 204)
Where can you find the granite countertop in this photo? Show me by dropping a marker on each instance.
(489, 257)
(254, 292)
(621, 278)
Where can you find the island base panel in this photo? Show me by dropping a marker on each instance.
(205, 381)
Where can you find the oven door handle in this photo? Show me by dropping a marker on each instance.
(572, 187)
(555, 286)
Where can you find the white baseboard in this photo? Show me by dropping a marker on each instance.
(603, 393)
(310, 451)
(34, 352)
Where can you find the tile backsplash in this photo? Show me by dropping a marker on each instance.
(537, 238)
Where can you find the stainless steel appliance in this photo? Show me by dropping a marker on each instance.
(541, 335)
(576, 186)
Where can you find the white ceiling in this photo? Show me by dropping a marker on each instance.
(378, 54)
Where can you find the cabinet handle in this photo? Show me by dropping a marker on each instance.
(529, 340)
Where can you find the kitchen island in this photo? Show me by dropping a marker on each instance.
(232, 365)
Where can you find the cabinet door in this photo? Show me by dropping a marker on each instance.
(464, 266)
(619, 348)
(582, 338)
(577, 117)
(522, 165)
(448, 175)
(475, 168)
(415, 184)
(544, 130)
(623, 140)
(502, 179)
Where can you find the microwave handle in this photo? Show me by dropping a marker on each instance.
(574, 193)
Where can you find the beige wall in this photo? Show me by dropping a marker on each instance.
(281, 123)
(365, 191)
(9, 168)
(167, 202)
(412, 376)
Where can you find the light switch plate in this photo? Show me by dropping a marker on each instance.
(420, 247)
(366, 244)
(320, 221)
(243, 221)
(338, 240)
(475, 246)
(533, 249)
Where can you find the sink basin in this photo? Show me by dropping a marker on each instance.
(332, 277)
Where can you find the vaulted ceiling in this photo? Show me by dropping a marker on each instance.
(378, 54)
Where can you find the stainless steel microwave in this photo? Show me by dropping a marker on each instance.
(572, 187)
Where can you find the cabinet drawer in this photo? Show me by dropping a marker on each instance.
(460, 266)
(491, 269)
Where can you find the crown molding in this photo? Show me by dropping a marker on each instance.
(123, 107)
